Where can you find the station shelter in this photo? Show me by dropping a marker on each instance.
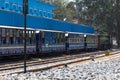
(40, 16)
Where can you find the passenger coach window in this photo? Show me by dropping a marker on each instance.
(14, 36)
(11, 41)
(43, 38)
(59, 38)
(3, 36)
(27, 37)
(7, 36)
(33, 36)
(62, 38)
(30, 37)
(21, 36)
(18, 37)
(0, 36)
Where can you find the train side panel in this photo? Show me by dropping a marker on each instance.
(76, 41)
(51, 42)
(12, 41)
(92, 41)
(104, 42)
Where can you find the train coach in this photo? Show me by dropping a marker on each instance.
(44, 34)
(50, 41)
(12, 42)
(47, 41)
(104, 42)
(59, 41)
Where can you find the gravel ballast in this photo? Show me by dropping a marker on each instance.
(92, 71)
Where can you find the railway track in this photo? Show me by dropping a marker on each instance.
(39, 64)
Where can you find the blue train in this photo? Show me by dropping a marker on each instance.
(46, 41)
(44, 34)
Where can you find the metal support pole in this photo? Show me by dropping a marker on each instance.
(85, 42)
(66, 42)
(25, 7)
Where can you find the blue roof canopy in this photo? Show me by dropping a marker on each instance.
(16, 19)
(35, 7)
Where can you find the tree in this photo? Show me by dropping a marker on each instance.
(60, 10)
(103, 14)
(64, 10)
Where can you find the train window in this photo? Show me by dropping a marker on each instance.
(11, 33)
(17, 33)
(82, 39)
(0, 37)
(77, 39)
(3, 36)
(21, 36)
(57, 35)
(30, 33)
(14, 36)
(27, 37)
(4, 40)
(59, 38)
(71, 40)
(42, 34)
(17, 36)
(32, 37)
(56, 38)
(11, 40)
(7, 35)
(3, 33)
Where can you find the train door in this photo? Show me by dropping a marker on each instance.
(38, 41)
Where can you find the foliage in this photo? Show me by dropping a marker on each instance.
(64, 11)
(103, 14)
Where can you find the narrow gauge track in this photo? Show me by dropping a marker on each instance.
(17, 66)
(50, 60)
